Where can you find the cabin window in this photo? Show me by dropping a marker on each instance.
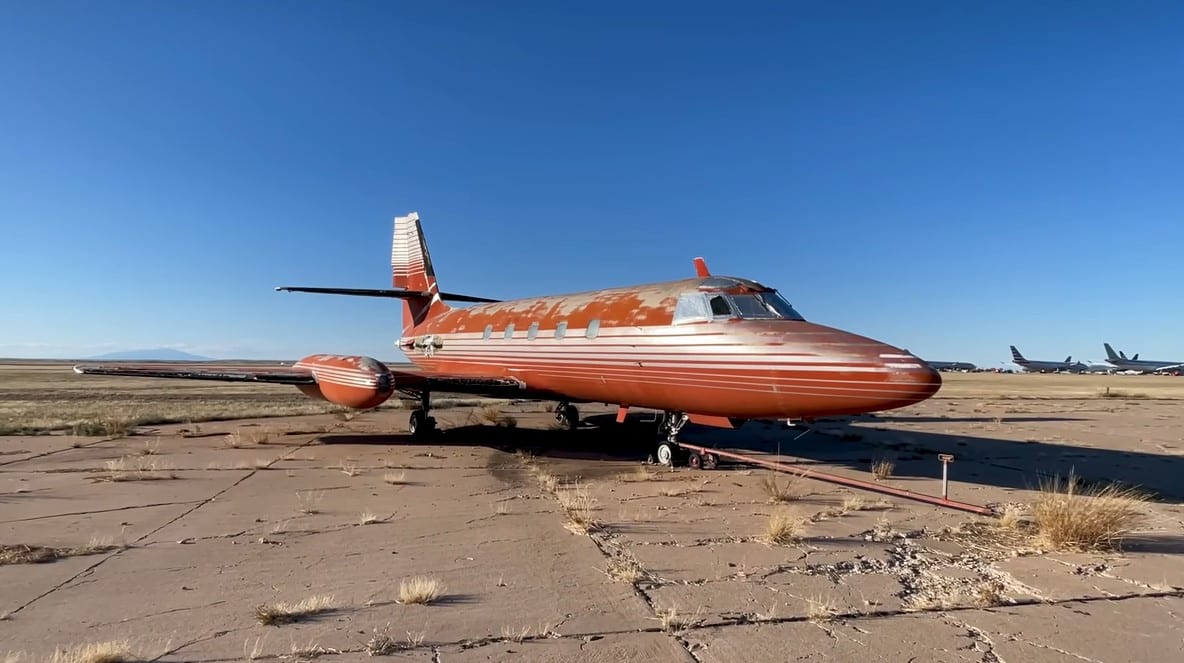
(510, 330)
(719, 307)
(488, 332)
(532, 331)
(561, 329)
(593, 329)
(691, 307)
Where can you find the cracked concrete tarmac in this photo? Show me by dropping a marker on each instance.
(254, 523)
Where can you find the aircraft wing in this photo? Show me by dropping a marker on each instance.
(276, 374)
(415, 379)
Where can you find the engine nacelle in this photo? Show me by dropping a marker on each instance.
(354, 382)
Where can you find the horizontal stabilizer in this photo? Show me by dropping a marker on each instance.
(393, 294)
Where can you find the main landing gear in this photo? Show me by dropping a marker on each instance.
(669, 452)
(567, 415)
(422, 425)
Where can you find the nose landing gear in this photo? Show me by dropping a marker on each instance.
(670, 453)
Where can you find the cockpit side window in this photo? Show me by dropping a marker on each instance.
(691, 307)
(719, 306)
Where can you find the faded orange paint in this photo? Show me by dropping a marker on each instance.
(354, 382)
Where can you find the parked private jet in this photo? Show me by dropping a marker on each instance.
(714, 350)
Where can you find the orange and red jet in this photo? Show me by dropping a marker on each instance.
(714, 350)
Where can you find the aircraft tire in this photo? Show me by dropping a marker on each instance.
(695, 461)
(420, 425)
(710, 461)
(665, 455)
(569, 416)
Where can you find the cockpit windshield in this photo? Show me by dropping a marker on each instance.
(701, 307)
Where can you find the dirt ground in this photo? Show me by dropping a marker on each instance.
(210, 522)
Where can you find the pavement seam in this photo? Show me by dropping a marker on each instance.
(58, 451)
(88, 570)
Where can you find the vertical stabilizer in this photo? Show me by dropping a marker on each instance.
(411, 269)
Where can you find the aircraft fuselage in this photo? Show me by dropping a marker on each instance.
(660, 346)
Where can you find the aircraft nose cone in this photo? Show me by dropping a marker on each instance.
(909, 380)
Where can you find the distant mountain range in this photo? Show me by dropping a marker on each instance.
(151, 354)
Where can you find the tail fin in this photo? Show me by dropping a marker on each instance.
(1110, 353)
(1015, 354)
(1069, 359)
(411, 269)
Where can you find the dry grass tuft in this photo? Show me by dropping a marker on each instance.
(1070, 517)
(286, 613)
(368, 518)
(308, 652)
(151, 448)
(350, 470)
(820, 609)
(547, 481)
(625, 568)
(989, 594)
(420, 590)
(137, 468)
(310, 501)
(882, 469)
(577, 506)
(492, 413)
(511, 635)
(395, 478)
(783, 528)
(768, 615)
(383, 644)
(104, 427)
(115, 651)
(779, 492)
(855, 503)
(25, 554)
(673, 621)
(1011, 519)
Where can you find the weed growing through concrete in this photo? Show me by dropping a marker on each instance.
(115, 651)
(782, 528)
(420, 590)
(882, 469)
(286, 613)
(1069, 516)
(137, 468)
(310, 502)
(780, 491)
(395, 478)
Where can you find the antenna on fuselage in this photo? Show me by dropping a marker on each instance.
(701, 268)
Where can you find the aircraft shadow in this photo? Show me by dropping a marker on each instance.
(589, 443)
(851, 445)
(987, 461)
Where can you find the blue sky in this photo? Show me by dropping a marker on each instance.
(950, 177)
